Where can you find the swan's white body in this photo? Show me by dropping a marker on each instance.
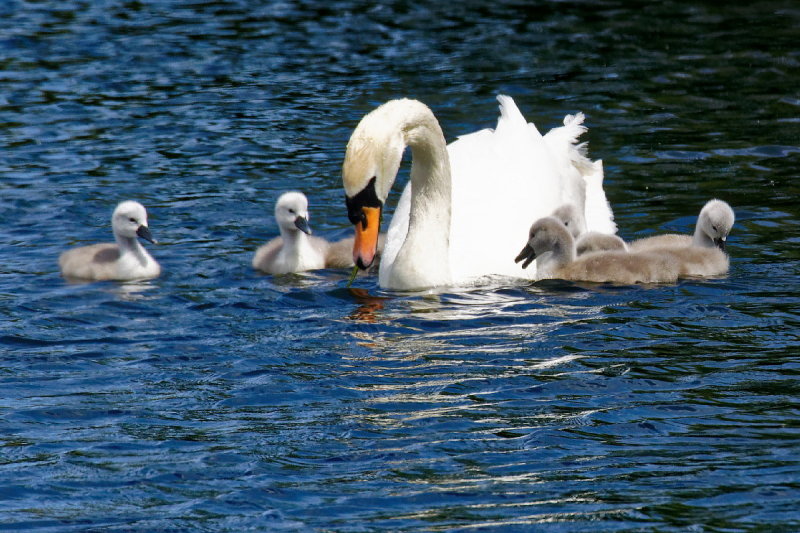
(124, 260)
(469, 205)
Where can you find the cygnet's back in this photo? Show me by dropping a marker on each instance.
(586, 241)
(694, 261)
(593, 241)
(124, 260)
(552, 244)
(713, 226)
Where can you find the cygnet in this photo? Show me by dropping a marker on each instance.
(712, 229)
(124, 260)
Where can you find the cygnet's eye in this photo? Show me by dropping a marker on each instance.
(133, 220)
(291, 211)
(714, 228)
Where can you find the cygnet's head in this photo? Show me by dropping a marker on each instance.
(130, 221)
(714, 224)
(569, 215)
(291, 212)
(547, 234)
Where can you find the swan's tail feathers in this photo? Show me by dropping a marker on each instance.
(509, 110)
(573, 126)
(511, 120)
(580, 158)
(568, 133)
(564, 140)
(599, 216)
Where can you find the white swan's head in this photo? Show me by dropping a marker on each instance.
(291, 212)
(129, 220)
(569, 215)
(547, 234)
(371, 162)
(714, 223)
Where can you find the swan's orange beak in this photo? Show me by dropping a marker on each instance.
(366, 242)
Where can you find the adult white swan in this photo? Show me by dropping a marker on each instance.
(467, 205)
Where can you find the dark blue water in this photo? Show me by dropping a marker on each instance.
(217, 399)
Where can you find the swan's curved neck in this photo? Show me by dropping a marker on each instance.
(424, 258)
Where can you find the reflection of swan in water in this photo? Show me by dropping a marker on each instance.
(448, 353)
(499, 320)
(128, 291)
(134, 290)
(369, 306)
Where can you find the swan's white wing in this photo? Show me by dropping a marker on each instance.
(503, 180)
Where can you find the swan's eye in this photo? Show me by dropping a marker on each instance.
(133, 220)
(291, 211)
(714, 228)
(365, 198)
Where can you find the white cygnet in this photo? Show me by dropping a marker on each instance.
(712, 229)
(553, 246)
(124, 260)
(586, 241)
(296, 250)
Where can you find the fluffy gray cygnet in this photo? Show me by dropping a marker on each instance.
(123, 260)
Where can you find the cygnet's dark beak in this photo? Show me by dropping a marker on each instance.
(528, 254)
(144, 233)
(302, 225)
(720, 243)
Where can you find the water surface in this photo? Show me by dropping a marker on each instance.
(217, 399)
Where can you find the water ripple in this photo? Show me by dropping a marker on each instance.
(215, 398)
